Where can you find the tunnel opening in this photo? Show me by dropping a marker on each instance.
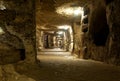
(22, 54)
(49, 36)
(85, 20)
(57, 38)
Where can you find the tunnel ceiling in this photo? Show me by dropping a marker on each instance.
(46, 15)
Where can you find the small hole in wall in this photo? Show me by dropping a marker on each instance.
(86, 11)
(85, 20)
(108, 1)
(22, 54)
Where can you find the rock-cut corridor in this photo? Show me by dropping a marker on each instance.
(87, 29)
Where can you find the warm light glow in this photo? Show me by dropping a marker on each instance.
(64, 27)
(60, 32)
(2, 7)
(78, 11)
(70, 11)
(1, 31)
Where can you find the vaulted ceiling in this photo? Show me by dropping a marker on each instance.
(46, 15)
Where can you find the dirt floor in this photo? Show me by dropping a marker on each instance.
(60, 67)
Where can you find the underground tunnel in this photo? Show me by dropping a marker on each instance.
(59, 40)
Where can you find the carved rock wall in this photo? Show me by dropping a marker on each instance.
(104, 27)
(18, 23)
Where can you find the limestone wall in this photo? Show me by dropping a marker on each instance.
(104, 27)
(113, 18)
(17, 38)
(98, 34)
(77, 38)
(18, 23)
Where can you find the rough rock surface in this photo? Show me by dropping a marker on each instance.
(17, 37)
(18, 23)
(113, 18)
(109, 51)
(8, 73)
(101, 42)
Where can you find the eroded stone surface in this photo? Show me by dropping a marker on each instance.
(18, 24)
(8, 73)
(102, 39)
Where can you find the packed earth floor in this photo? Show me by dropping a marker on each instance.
(61, 66)
(64, 67)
